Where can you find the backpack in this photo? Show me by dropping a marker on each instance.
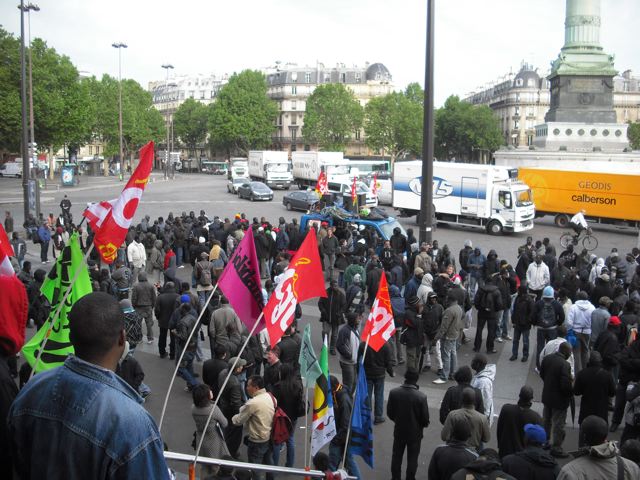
(547, 317)
(282, 426)
(204, 273)
(484, 301)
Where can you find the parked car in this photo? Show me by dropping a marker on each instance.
(11, 169)
(300, 200)
(232, 185)
(255, 191)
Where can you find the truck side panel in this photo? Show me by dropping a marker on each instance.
(602, 195)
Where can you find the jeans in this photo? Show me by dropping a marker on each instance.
(147, 314)
(331, 331)
(377, 384)
(259, 453)
(335, 457)
(44, 247)
(491, 321)
(291, 449)
(186, 368)
(179, 255)
(449, 358)
(503, 323)
(517, 333)
(581, 351)
(554, 422)
(397, 349)
(162, 343)
(400, 443)
(543, 336)
(348, 376)
(329, 262)
(413, 358)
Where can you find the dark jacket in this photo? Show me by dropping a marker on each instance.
(522, 315)
(556, 375)
(290, 398)
(510, 429)
(8, 393)
(538, 310)
(342, 410)
(407, 407)
(630, 363)
(461, 296)
(131, 372)
(231, 397)
(332, 306)
(488, 300)
(164, 307)
(448, 459)
(600, 289)
(482, 468)
(532, 463)
(289, 351)
(211, 371)
(608, 347)
(143, 294)
(596, 386)
(376, 364)
(414, 333)
(453, 400)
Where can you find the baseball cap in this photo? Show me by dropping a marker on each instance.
(615, 321)
(547, 292)
(535, 432)
(241, 362)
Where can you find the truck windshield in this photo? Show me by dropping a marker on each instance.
(337, 170)
(278, 167)
(523, 198)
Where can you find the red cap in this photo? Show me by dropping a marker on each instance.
(615, 321)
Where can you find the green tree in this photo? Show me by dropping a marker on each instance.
(393, 124)
(10, 118)
(242, 118)
(415, 93)
(461, 127)
(332, 117)
(633, 133)
(190, 123)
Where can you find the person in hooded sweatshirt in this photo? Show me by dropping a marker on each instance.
(486, 466)
(454, 455)
(579, 320)
(488, 302)
(533, 462)
(491, 265)
(483, 381)
(425, 288)
(512, 421)
(475, 263)
(601, 460)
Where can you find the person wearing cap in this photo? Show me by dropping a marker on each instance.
(408, 409)
(548, 314)
(601, 458)
(423, 260)
(412, 286)
(512, 421)
(532, 462)
(454, 455)
(602, 287)
(600, 318)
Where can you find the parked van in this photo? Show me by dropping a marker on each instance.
(11, 169)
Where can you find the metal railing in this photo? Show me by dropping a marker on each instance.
(300, 472)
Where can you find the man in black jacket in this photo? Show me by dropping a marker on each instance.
(407, 407)
(342, 409)
(512, 420)
(557, 391)
(629, 372)
(211, 368)
(376, 366)
(164, 308)
(488, 302)
(453, 396)
(332, 309)
(532, 463)
(448, 459)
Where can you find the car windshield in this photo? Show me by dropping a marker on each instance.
(387, 228)
(259, 187)
(523, 198)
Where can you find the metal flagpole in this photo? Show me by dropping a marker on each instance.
(306, 427)
(59, 310)
(226, 380)
(175, 372)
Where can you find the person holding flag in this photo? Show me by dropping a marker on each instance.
(361, 441)
(322, 187)
(338, 445)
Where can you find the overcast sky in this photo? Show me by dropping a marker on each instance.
(477, 41)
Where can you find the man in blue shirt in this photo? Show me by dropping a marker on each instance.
(81, 420)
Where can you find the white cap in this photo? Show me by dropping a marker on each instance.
(200, 239)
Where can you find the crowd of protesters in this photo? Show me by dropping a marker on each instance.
(583, 311)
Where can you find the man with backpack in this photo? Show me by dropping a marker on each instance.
(431, 321)
(488, 302)
(548, 314)
(204, 278)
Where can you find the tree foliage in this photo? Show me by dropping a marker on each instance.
(243, 117)
(332, 116)
(393, 124)
(633, 133)
(190, 123)
(9, 92)
(461, 127)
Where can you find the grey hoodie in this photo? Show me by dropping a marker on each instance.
(599, 462)
(483, 381)
(425, 288)
(579, 317)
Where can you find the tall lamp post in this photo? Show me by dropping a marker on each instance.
(25, 135)
(167, 67)
(119, 46)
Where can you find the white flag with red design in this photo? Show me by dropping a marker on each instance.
(6, 251)
(111, 220)
(380, 325)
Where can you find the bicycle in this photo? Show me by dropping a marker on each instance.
(588, 240)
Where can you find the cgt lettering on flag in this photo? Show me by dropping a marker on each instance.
(380, 325)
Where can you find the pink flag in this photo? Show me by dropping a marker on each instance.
(240, 281)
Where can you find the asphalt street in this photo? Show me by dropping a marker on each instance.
(196, 192)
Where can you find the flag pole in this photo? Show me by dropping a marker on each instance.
(175, 372)
(306, 427)
(62, 304)
(353, 396)
(226, 380)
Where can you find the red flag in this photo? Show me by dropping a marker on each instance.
(6, 251)
(322, 186)
(111, 220)
(380, 326)
(302, 280)
(374, 185)
(354, 191)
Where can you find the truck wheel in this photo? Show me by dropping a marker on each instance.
(561, 220)
(494, 227)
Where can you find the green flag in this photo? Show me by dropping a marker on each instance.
(54, 288)
(310, 368)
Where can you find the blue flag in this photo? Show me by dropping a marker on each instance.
(361, 426)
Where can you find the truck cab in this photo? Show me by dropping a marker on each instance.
(342, 187)
(513, 209)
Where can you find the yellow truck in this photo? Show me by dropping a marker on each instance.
(608, 191)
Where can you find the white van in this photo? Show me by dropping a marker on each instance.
(11, 169)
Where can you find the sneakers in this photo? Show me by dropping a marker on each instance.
(163, 355)
(150, 341)
(499, 340)
(492, 351)
(513, 358)
(440, 381)
(181, 266)
(506, 337)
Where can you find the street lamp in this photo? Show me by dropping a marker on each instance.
(25, 135)
(119, 46)
(167, 67)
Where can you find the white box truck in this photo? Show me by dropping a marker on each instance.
(483, 196)
(308, 165)
(238, 168)
(270, 167)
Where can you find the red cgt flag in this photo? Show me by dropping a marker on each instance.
(302, 280)
(322, 187)
(111, 220)
(380, 325)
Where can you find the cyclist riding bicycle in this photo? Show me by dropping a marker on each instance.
(579, 223)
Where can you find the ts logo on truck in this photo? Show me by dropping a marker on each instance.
(441, 188)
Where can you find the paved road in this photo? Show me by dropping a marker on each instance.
(195, 192)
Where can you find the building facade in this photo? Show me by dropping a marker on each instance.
(290, 86)
(521, 102)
